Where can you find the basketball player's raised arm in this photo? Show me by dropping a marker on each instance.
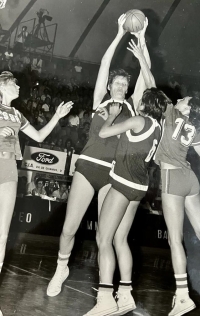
(40, 135)
(141, 84)
(102, 78)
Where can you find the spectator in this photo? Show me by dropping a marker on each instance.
(86, 129)
(69, 149)
(51, 187)
(87, 117)
(36, 66)
(27, 61)
(58, 145)
(39, 188)
(46, 104)
(49, 115)
(78, 69)
(20, 41)
(31, 185)
(46, 93)
(8, 57)
(62, 193)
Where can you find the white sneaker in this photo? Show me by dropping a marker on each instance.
(125, 302)
(55, 285)
(105, 305)
(1, 314)
(181, 305)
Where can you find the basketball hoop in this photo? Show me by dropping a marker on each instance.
(2, 4)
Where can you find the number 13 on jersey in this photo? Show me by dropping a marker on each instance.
(189, 129)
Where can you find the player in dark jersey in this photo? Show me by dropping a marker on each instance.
(95, 161)
(11, 121)
(129, 182)
(180, 188)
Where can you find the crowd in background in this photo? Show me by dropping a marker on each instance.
(45, 83)
(40, 94)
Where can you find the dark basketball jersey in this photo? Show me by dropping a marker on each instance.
(134, 153)
(102, 150)
(177, 135)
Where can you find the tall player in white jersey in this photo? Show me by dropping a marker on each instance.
(129, 182)
(180, 188)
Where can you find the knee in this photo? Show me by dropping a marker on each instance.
(68, 232)
(175, 241)
(104, 241)
(119, 241)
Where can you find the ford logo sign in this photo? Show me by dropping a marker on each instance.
(44, 158)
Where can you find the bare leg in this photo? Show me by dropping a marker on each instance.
(7, 198)
(173, 209)
(192, 204)
(81, 194)
(123, 251)
(101, 196)
(113, 210)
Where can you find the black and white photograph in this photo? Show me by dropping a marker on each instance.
(99, 157)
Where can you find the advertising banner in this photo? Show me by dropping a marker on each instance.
(44, 160)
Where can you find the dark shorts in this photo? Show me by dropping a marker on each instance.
(8, 170)
(97, 175)
(130, 193)
(182, 182)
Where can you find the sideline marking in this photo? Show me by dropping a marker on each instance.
(49, 280)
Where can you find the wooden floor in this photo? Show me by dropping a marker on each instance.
(31, 261)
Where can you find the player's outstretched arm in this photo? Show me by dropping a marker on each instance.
(39, 136)
(145, 70)
(108, 129)
(102, 78)
(141, 37)
(140, 86)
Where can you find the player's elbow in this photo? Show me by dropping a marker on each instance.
(105, 61)
(102, 134)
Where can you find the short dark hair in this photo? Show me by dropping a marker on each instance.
(194, 116)
(118, 72)
(155, 102)
(39, 180)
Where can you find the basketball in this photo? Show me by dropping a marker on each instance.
(134, 21)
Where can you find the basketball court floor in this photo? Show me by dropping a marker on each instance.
(31, 261)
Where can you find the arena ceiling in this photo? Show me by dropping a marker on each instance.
(87, 27)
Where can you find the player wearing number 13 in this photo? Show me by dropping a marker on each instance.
(180, 188)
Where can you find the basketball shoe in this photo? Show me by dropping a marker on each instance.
(105, 305)
(125, 302)
(181, 305)
(55, 285)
